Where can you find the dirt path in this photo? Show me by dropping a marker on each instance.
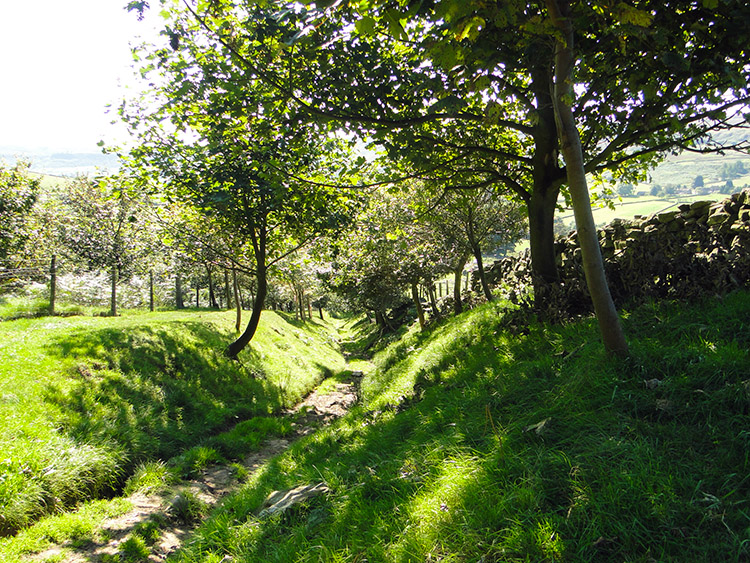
(215, 482)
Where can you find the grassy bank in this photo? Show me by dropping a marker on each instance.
(84, 401)
(476, 443)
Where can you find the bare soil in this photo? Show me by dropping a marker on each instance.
(215, 482)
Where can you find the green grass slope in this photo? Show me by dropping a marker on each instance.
(480, 443)
(84, 401)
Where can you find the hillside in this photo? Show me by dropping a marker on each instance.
(84, 401)
(477, 441)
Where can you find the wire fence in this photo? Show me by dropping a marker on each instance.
(59, 282)
(62, 284)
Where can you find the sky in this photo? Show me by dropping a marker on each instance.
(61, 63)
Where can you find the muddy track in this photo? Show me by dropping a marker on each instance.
(318, 409)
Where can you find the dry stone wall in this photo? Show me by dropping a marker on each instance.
(697, 249)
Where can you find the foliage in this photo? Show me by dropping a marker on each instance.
(18, 193)
(225, 145)
(101, 226)
(462, 91)
(625, 189)
(470, 222)
(375, 261)
(732, 170)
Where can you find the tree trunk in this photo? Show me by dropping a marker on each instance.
(228, 295)
(380, 320)
(197, 295)
(418, 305)
(300, 304)
(433, 300)
(547, 177)
(477, 251)
(593, 265)
(457, 271)
(211, 294)
(259, 246)
(541, 210)
(260, 298)
(237, 302)
(320, 310)
(151, 291)
(113, 295)
(179, 303)
(309, 308)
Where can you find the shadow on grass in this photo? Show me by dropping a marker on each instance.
(533, 448)
(153, 392)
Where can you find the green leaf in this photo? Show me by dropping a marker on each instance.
(470, 29)
(633, 16)
(365, 26)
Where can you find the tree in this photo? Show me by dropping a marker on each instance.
(728, 187)
(570, 142)
(102, 229)
(298, 273)
(18, 193)
(471, 222)
(625, 189)
(218, 142)
(698, 181)
(381, 258)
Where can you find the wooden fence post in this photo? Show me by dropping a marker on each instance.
(52, 284)
(151, 290)
(178, 291)
(113, 296)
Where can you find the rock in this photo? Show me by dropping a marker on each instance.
(667, 217)
(718, 217)
(278, 501)
(699, 205)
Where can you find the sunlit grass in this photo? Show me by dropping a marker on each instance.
(76, 528)
(84, 400)
(477, 445)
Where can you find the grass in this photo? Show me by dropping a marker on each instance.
(643, 205)
(12, 308)
(86, 401)
(77, 528)
(476, 444)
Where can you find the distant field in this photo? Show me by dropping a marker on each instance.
(644, 205)
(49, 181)
(683, 168)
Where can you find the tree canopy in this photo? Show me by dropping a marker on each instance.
(474, 94)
